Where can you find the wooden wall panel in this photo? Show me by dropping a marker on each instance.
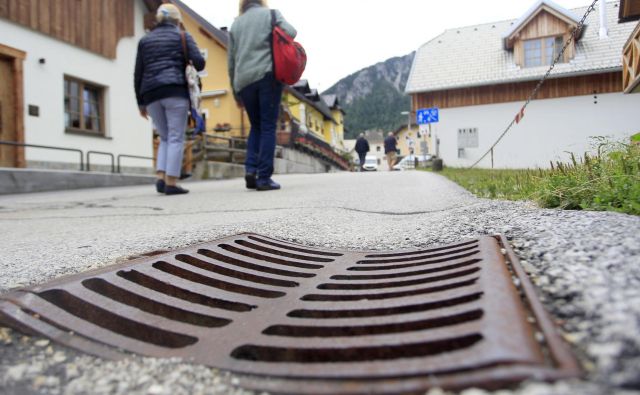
(544, 25)
(631, 62)
(95, 25)
(504, 93)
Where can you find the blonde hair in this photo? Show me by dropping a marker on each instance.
(168, 13)
(244, 4)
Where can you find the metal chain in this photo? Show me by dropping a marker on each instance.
(533, 94)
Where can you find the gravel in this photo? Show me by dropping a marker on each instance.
(586, 265)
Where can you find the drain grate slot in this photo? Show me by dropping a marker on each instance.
(116, 323)
(396, 284)
(212, 267)
(300, 320)
(186, 295)
(411, 265)
(356, 354)
(213, 282)
(389, 295)
(348, 331)
(123, 296)
(396, 310)
(251, 266)
(387, 276)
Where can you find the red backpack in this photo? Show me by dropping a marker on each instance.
(289, 58)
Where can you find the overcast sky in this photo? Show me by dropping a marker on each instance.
(344, 36)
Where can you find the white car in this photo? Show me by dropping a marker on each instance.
(370, 163)
(408, 162)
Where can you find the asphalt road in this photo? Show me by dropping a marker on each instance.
(586, 265)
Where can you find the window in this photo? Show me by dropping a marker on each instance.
(542, 51)
(83, 107)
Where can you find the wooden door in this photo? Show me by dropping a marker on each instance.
(7, 113)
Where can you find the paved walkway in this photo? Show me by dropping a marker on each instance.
(586, 265)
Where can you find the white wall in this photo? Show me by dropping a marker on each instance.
(549, 130)
(127, 132)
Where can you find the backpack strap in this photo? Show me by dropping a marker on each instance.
(273, 19)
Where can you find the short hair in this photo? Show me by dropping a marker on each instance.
(168, 13)
(245, 4)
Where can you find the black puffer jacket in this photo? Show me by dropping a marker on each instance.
(160, 64)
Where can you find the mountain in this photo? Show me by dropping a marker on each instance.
(373, 98)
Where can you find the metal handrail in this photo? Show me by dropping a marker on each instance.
(15, 144)
(113, 159)
(132, 157)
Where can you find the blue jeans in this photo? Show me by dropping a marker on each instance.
(262, 102)
(170, 119)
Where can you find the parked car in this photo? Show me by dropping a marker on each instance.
(409, 161)
(370, 163)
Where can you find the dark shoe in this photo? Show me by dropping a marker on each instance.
(169, 190)
(250, 180)
(268, 185)
(160, 185)
(184, 176)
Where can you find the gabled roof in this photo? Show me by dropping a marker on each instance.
(541, 5)
(218, 35)
(302, 86)
(332, 102)
(474, 55)
(318, 105)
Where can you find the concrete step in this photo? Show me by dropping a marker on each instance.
(36, 180)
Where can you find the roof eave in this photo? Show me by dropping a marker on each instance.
(518, 80)
(217, 34)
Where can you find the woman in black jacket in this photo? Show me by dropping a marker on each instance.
(162, 91)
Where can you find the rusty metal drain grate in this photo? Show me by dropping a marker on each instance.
(293, 319)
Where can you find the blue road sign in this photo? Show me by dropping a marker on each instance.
(427, 115)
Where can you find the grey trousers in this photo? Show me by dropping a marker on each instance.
(170, 118)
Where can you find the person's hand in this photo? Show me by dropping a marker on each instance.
(143, 113)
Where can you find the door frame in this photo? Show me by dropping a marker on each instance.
(16, 57)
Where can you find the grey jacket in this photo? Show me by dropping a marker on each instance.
(250, 46)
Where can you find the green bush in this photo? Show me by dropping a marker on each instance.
(608, 181)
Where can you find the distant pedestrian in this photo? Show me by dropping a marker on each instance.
(391, 149)
(362, 147)
(255, 87)
(162, 91)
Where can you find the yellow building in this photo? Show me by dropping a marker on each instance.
(334, 130)
(309, 110)
(413, 138)
(218, 104)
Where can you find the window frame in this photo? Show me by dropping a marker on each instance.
(100, 91)
(543, 50)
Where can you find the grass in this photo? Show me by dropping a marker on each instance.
(606, 181)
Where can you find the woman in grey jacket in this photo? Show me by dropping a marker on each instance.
(254, 85)
(162, 92)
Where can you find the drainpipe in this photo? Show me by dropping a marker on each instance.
(604, 32)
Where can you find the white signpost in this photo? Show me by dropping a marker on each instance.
(425, 117)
